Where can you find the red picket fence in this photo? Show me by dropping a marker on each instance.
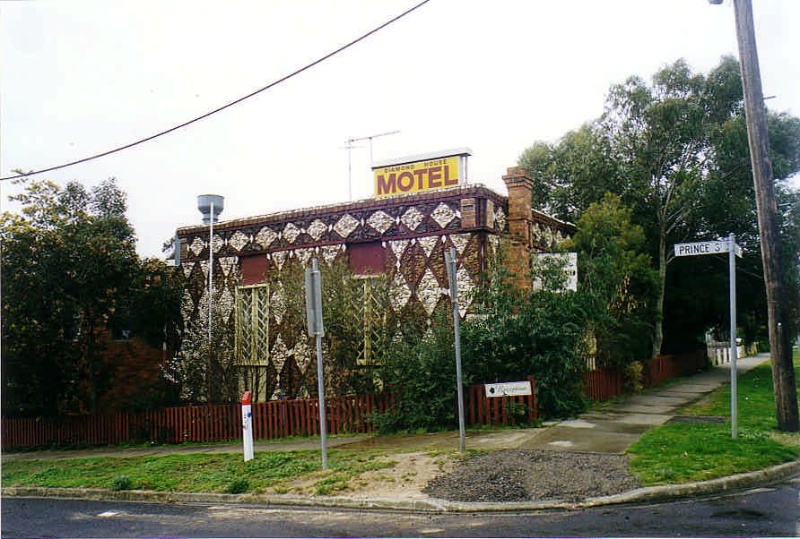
(604, 384)
(273, 419)
(485, 410)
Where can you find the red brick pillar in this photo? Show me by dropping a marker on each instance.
(520, 218)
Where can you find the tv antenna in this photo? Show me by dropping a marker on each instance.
(349, 146)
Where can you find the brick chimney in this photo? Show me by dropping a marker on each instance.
(520, 218)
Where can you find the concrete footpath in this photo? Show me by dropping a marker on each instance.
(610, 428)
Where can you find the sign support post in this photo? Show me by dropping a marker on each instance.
(450, 264)
(317, 329)
(718, 247)
(732, 278)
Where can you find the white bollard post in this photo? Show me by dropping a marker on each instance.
(247, 426)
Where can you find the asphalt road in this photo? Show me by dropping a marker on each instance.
(760, 512)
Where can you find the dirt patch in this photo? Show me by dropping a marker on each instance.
(411, 473)
(406, 478)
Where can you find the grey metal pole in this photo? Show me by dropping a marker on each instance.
(450, 263)
(210, 275)
(323, 431)
(732, 278)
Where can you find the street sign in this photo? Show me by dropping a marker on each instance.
(508, 389)
(711, 248)
(705, 248)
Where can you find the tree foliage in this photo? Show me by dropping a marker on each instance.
(674, 149)
(617, 281)
(516, 333)
(71, 278)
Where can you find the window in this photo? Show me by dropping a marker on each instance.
(367, 258)
(252, 325)
(254, 269)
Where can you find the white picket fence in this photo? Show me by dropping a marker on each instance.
(719, 352)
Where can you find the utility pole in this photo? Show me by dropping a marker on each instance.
(766, 205)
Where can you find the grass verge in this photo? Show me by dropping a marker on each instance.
(269, 472)
(680, 452)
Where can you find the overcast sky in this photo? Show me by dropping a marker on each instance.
(80, 77)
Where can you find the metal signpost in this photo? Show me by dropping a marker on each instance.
(450, 264)
(317, 329)
(718, 247)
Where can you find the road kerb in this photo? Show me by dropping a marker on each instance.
(724, 485)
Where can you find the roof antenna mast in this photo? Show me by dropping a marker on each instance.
(349, 146)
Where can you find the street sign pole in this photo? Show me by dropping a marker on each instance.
(317, 330)
(732, 278)
(450, 264)
(718, 247)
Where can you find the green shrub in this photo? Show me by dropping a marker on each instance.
(516, 333)
(421, 373)
(238, 486)
(121, 482)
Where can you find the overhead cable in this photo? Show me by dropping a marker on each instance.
(223, 107)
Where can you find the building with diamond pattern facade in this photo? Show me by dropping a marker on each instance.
(403, 238)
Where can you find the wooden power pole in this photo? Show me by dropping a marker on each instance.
(780, 340)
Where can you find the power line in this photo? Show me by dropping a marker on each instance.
(227, 105)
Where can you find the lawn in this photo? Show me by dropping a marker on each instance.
(679, 452)
(269, 472)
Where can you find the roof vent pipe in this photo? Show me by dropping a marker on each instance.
(210, 206)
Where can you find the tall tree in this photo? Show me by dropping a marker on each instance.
(675, 150)
(70, 271)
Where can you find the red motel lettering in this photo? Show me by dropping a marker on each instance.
(409, 178)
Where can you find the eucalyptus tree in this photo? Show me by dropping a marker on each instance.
(674, 149)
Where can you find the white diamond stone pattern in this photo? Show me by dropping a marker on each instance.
(346, 225)
(429, 291)
(266, 236)
(238, 240)
(400, 292)
(499, 218)
(218, 243)
(465, 288)
(443, 215)
(412, 218)
(197, 246)
(330, 252)
(278, 354)
(428, 244)
(290, 232)
(317, 229)
(303, 353)
(380, 221)
(460, 242)
(279, 258)
(304, 255)
(277, 304)
(398, 248)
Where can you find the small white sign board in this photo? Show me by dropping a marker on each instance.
(705, 248)
(508, 389)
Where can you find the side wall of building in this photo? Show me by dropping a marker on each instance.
(403, 238)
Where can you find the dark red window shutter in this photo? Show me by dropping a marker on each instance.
(367, 258)
(254, 269)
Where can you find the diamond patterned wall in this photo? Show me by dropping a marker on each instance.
(414, 231)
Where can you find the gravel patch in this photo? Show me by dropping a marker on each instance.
(533, 475)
